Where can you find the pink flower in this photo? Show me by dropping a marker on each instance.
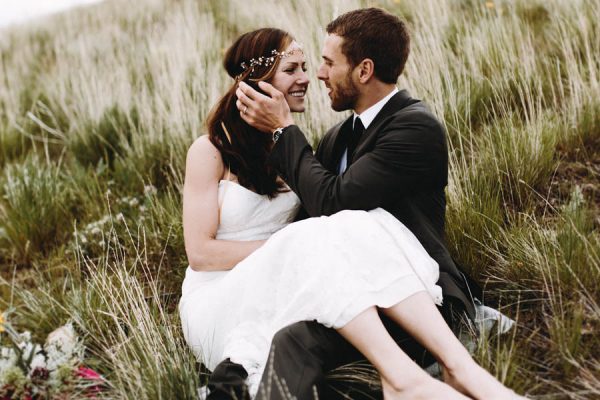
(88, 373)
(92, 389)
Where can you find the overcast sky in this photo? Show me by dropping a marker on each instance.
(18, 11)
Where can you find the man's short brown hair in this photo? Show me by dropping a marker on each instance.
(376, 34)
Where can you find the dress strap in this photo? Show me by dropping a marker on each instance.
(222, 196)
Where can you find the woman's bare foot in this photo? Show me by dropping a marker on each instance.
(477, 383)
(428, 389)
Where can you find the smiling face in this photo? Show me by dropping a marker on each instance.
(336, 73)
(291, 79)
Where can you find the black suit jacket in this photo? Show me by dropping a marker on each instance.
(400, 164)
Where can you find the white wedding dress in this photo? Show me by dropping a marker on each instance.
(328, 269)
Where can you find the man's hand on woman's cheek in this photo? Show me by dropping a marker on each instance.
(264, 112)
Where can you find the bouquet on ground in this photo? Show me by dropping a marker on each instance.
(55, 370)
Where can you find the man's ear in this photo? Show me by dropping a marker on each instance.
(366, 70)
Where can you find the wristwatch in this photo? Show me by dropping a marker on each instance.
(277, 133)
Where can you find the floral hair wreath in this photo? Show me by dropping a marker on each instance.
(265, 61)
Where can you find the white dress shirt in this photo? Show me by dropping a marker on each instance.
(366, 117)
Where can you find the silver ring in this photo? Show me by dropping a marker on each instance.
(245, 109)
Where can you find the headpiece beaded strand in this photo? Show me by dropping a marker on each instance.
(264, 61)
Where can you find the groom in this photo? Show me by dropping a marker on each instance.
(390, 153)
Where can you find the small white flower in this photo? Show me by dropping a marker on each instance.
(96, 230)
(25, 337)
(134, 202)
(38, 361)
(8, 358)
(61, 346)
(28, 349)
(143, 209)
(7, 352)
(65, 335)
(120, 217)
(150, 190)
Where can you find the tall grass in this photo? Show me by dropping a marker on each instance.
(98, 106)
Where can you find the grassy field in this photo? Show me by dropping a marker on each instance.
(98, 106)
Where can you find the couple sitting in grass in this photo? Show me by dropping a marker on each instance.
(302, 262)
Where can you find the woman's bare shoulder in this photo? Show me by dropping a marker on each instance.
(205, 155)
(204, 147)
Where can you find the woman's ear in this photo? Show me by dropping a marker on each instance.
(366, 70)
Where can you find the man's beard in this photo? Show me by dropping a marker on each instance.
(345, 95)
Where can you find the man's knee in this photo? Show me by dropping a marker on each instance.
(296, 338)
(287, 334)
(313, 343)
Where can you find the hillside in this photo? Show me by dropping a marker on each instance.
(98, 106)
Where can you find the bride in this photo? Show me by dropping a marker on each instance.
(252, 271)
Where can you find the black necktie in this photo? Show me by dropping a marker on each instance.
(357, 132)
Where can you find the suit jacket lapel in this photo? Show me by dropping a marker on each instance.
(397, 102)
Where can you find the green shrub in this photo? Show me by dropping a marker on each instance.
(39, 206)
(105, 140)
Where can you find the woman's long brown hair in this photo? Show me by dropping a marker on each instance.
(243, 148)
